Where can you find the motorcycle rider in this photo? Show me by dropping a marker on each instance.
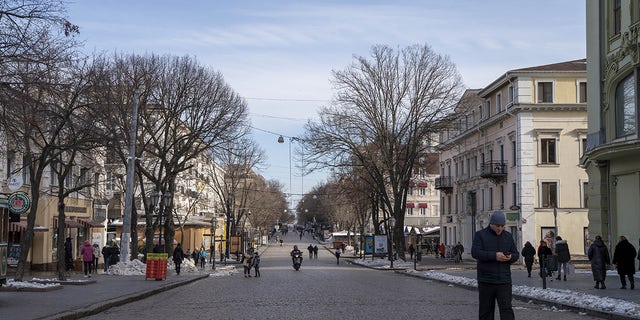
(295, 252)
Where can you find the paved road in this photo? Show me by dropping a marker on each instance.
(320, 290)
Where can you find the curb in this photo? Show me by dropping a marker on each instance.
(102, 306)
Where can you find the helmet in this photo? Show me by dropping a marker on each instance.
(295, 247)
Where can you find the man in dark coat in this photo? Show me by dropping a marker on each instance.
(68, 253)
(624, 259)
(544, 253)
(106, 255)
(563, 256)
(599, 257)
(495, 251)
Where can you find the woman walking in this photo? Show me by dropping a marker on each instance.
(87, 258)
(624, 259)
(528, 252)
(599, 257)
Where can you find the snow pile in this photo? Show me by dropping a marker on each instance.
(383, 263)
(28, 284)
(128, 268)
(566, 297)
(223, 271)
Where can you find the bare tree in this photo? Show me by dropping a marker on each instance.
(386, 112)
(185, 110)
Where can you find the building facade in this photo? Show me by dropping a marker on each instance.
(515, 146)
(613, 147)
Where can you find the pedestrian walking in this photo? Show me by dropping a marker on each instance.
(310, 249)
(114, 257)
(460, 251)
(68, 254)
(315, 251)
(255, 263)
(495, 251)
(624, 259)
(87, 258)
(599, 257)
(195, 256)
(411, 251)
(442, 249)
(338, 253)
(96, 257)
(178, 256)
(203, 257)
(106, 256)
(563, 256)
(528, 252)
(544, 256)
(246, 264)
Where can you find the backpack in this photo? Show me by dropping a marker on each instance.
(203, 254)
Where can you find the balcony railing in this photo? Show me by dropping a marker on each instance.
(595, 139)
(445, 184)
(495, 171)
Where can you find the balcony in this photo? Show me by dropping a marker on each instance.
(595, 139)
(496, 171)
(444, 184)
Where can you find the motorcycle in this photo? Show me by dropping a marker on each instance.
(297, 261)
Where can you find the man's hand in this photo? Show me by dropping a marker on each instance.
(503, 257)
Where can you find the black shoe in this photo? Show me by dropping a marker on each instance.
(558, 278)
(597, 286)
(623, 287)
(565, 278)
(603, 286)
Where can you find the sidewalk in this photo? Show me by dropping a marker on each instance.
(577, 293)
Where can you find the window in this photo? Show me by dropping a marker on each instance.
(410, 191)
(617, 23)
(54, 175)
(423, 211)
(483, 205)
(488, 103)
(96, 180)
(498, 102)
(583, 142)
(545, 92)
(11, 163)
(480, 114)
(490, 198)
(514, 194)
(510, 94)
(26, 173)
(513, 153)
(409, 211)
(582, 92)
(625, 107)
(548, 151)
(549, 195)
(110, 182)
(501, 197)
(423, 191)
(585, 194)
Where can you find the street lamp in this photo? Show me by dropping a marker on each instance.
(166, 201)
(281, 140)
(228, 226)
(214, 227)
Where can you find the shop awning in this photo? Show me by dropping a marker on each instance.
(88, 223)
(422, 205)
(411, 205)
(22, 226)
(68, 223)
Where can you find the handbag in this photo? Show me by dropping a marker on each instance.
(570, 268)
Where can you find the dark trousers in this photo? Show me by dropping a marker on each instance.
(624, 282)
(489, 293)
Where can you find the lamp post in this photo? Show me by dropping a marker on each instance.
(228, 226)
(166, 202)
(214, 227)
(281, 140)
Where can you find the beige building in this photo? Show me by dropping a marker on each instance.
(613, 148)
(422, 214)
(515, 146)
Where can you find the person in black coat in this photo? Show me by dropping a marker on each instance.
(563, 256)
(544, 253)
(495, 251)
(68, 254)
(106, 255)
(599, 257)
(528, 252)
(624, 259)
(178, 256)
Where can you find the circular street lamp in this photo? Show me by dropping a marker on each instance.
(166, 201)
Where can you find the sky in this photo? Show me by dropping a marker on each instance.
(279, 54)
